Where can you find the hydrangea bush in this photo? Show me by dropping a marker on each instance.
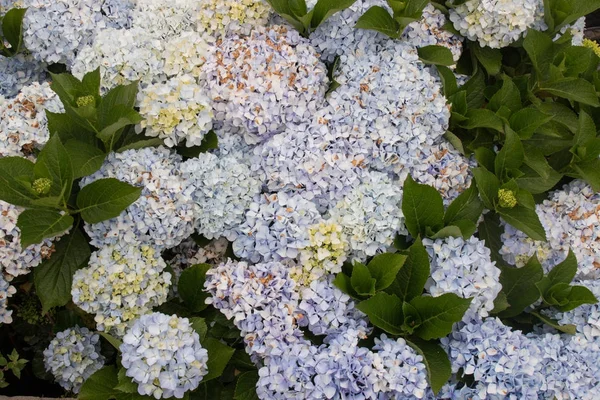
(290, 199)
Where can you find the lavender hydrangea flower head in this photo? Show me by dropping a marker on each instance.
(223, 189)
(494, 23)
(226, 17)
(370, 215)
(463, 267)
(73, 356)
(19, 71)
(6, 291)
(175, 111)
(276, 227)
(23, 123)
(165, 19)
(163, 355)
(118, 13)
(55, 30)
(164, 214)
(265, 81)
(120, 284)
(570, 218)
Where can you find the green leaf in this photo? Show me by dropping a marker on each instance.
(245, 388)
(122, 95)
(539, 47)
(489, 231)
(508, 96)
(436, 55)
(191, 287)
(474, 88)
(116, 343)
(590, 172)
(511, 156)
(436, 361)
(411, 278)
(105, 198)
(14, 170)
(585, 136)
(565, 271)
(209, 142)
(140, 144)
(326, 8)
(219, 355)
(85, 158)
(519, 286)
(199, 325)
(448, 80)
(412, 319)
(37, 225)
(67, 129)
(448, 231)
(67, 87)
(379, 19)
(53, 277)
(125, 383)
(91, 82)
(500, 303)
(575, 89)
(569, 328)
(12, 29)
(384, 311)
(438, 314)
(575, 10)
(482, 118)
(467, 206)
(343, 282)
(488, 186)
(111, 128)
(101, 385)
(527, 120)
(54, 163)
(524, 219)
(491, 59)
(361, 280)
(384, 268)
(422, 206)
(283, 8)
(577, 296)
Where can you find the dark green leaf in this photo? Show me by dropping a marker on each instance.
(577, 296)
(85, 158)
(379, 19)
(53, 277)
(209, 142)
(13, 171)
(447, 231)
(116, 343)
(362, 281)
(436, 55)
(105, 198)
(140, 144)
(527, 120)
(491, 59)
(412, 319)
(101, 385)
(384, 311)
(489, 231)
(508, 96)
(412, 277)
(500, 303)
(67, 87)
(511, 156)
(199, 325)
(54, 163)
(482, 118)
(12, 28)
(343, 282)
(488, 185)
(37, 225)
(448, 80)
(474, 88)
(422, 206)
(519, 286)
(575, 89)
(125, 384)
(191, 287)
(539, 47)
(384, 268)
(326, 8)
(219, 355)
(436, 361)
(467, 206)
(565, 271)
(111, 128)
(91, 82)
(590, 172)
(245, 388)
(438, 314)
(525, 220)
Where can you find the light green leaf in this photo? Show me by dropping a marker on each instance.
(482, 118)
(125, 384)
(508, 96)
(527, 120)
(116, 343)
(569, 328)
(565, 271)
(540, 48)
(105, 198)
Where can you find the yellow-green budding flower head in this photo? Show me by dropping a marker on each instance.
(85, 100)
(591, 44)
(42, 185)
(507, 198)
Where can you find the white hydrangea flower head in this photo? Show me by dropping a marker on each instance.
(224, 17)
(163, 355)
(429, 30)
(504, 363)
(494, 23)
(370, 215)
(389, 104)
(165, 213)
(326, 252)
(165, 19)
(14, 260)
(275, 227)
(118, 13)
(23, 122)
(441, 166)
(175, 111)
(124, 56)
(399, 369)
(6, 291)
(73, 356)
(120, 284)
(223, 189)
(265, 81)
(55, 30)
(570, 218)
(463, 267)
(19, 71)
(186, 53)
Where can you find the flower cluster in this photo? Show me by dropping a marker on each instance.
(175, 111)
(163, 355)
(19, 71)
(165, 213)
(223, 17)
(223, 189)
(494, 23)
(73, 356)
(6, 291)
(164, 19)
(185, 54)
(120, 284)
(463, 267)
(570, 217)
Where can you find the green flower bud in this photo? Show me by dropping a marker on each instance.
(507, 198)
(85, 100)
(42, 185)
